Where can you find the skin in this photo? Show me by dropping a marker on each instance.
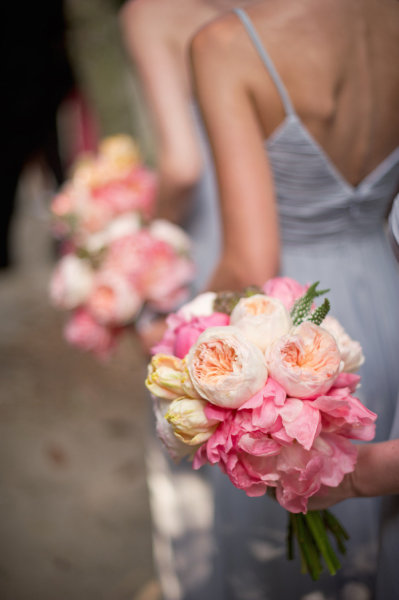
(343, 83)
(376, 474)
(157, 34)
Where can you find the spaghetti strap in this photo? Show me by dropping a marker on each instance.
(267, 61)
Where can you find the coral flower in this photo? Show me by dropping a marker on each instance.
(225, 367)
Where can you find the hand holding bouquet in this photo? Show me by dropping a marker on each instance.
(261, 384)
(114, 258)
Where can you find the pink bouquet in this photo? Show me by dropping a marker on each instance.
(115, 259)
(261, 384)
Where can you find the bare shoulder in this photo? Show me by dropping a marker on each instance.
(141, 15)
(172, 19)
(220, 46)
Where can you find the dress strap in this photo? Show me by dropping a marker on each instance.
(267, 61)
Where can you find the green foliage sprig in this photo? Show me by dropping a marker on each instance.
(302, 309)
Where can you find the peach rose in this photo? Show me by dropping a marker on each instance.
(225, 367)
(305, 362)
(262, 319)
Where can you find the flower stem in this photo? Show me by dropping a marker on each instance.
(315, 523)
(311, 531)
(340, 534)
(309, 552)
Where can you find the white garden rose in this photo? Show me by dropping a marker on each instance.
(351, 350)
(71, 283)
(176, 448)
(225, 367)
(120, 226)
(200, 306)
(171, 234)
(262, 319)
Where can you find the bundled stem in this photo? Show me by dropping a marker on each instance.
(311, 531)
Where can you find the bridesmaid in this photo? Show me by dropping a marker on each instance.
(377, 474)
(157, 35)
(300, 103)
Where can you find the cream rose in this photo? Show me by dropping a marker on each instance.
(200, 306)
(351, 351)
(225, 367)
(189, 421)
(168, 378)
(305, 362)
(262, 319)
(170, 234)
(176, 448)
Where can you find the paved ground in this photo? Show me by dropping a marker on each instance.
(74, 517)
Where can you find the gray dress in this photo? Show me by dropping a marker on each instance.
(388, 572)
(331, 232)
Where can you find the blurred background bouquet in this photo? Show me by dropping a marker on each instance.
(115, 257)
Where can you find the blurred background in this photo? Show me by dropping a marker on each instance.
(74, 515)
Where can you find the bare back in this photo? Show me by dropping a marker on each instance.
(338, 61)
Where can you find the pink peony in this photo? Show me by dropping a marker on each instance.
(159, 274)
(285, 289)
(134, 192)
(182, 334)
(84, 332)
(292, 445)
(303, 473)
(346, 415)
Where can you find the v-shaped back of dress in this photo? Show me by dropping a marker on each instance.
(315, 201)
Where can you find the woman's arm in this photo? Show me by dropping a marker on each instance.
(376, 474)
(223, 77)
(155, 48)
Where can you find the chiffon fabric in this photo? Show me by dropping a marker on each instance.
(332, 232)
(388, 574)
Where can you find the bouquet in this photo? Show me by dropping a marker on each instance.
(114, 257)
(261, 384)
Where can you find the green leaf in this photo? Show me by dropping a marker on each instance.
(302, 308)
(319, 314)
